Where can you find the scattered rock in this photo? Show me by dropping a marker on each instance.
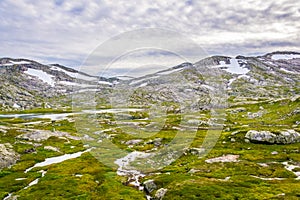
(157, 142)
(274, 152)
(149, 186)
(86, 137)
(160, 193)
(192, 171)
(133, 142)
(234, 133)
(225, 158)
(255, 115)
(247, 140)
(50, 148)
(31, 150)
(196, 151)
(263, 164)
(3, 130)
(232, 140)
(283, 137)
(237, 110)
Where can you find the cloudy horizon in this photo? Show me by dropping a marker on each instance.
(67, 32)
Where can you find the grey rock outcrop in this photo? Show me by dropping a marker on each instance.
(41, 135)
(8, 156)
(149, 186)
(283, 137)
(224, 158)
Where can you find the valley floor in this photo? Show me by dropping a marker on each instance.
(58, 159)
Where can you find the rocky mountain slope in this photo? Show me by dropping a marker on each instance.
(274, 75)
(28, 84)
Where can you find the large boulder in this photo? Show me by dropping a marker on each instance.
(224, 158)
(149, 186)
(8, 156)
(283, 137)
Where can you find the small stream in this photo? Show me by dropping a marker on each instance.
(48, 161)
(290, 168)
(36, 181)
(126, 170)
(57, 159)
(8, 196)
(61, 116)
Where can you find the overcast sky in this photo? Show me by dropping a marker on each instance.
(66, 32)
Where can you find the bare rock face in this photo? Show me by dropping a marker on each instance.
(283, 137)
(42, 135)
(8, 156)
(224, 158)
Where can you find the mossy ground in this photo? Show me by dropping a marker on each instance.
(189, 177)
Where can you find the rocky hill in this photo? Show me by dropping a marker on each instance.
(29, 84)
(274, 75)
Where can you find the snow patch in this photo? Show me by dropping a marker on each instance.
(58, 159)
(208, 87)
(16, 106)
(45, 77)
(73, 74)
(76, 84)
(222, 63)
(11, 63)
(104, 82)
(143, 84)
(124, 78)
(36, 181)
(235, 66)
(287, 71)
(285, 56)
(231, 81)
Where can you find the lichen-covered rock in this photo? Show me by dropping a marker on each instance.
(224, 158)
(196, 151)
(133, 142)
(8, 156)
(160, 193)
(283, 137)
(149, 186)
(288, 137)
(261, 136)
(42, 135)
(51, 148)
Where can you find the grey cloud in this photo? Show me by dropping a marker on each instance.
(70, 30)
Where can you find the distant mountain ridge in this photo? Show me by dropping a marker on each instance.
(28, 84)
